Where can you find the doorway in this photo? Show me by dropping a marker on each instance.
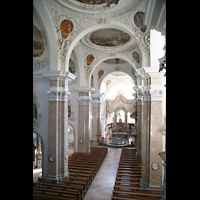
(37, 156)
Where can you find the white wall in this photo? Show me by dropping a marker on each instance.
(157, 42)
(40, 88)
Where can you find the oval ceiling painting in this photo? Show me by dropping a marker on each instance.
(109, 37)
(96, 2)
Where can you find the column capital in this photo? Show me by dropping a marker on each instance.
(60, 94)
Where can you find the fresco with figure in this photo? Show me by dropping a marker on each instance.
(109, 37)
(38, 44)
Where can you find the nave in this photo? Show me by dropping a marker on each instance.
(117, 179)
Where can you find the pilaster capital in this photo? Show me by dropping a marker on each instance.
(96, 99)
(156, 94)
(84, 100)
(58, 94)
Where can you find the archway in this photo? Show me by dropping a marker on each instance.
(38, 153)
(85, 31)
(117, 87)
(71, 140)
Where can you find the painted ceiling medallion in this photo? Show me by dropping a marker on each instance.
(109, 37)
(96, 2)
(66, 28)
(138, 21)
(89, 59)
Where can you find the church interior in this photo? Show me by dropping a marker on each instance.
(99, 99)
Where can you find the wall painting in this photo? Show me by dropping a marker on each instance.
(138, 21)
(89, 59)
(100, 73)
(66, 28)
(136, 56)
(72, 66)
(38, 44)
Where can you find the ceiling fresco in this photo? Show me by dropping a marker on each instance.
(109, 37)
(95, 2)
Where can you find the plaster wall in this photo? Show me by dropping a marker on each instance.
(40, 87)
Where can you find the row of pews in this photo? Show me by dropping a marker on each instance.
(127, 186)
(82, 170)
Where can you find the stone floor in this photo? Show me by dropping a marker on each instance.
(103, 183)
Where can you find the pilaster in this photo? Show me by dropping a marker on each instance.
(84, 122)
(96, 102)
(58, 124)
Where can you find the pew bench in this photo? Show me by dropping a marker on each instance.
(135, 195)
(138, 190)
(57, 193)
(128, 175)
(67, 182)
(129, 184)
(48, 197)
(58, 186)
(127, 179)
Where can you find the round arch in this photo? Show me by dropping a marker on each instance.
(51, 34)
(85, 31)
(100, 60)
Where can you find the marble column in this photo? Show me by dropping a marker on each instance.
(84, 120)
(96, 101)
(156, 140)
(58, 129)
(58, 123)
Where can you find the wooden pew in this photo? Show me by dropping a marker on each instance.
(138, 190)
(136, 195)
(63, 187)
(48, 197)
(58, 193)
(82, 170)
(67, 182)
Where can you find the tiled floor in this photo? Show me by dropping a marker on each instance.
(103, 183)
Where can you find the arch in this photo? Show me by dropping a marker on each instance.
(69, 124)
(100, 60)
(51, 34)
(85, 31)
(43, 147)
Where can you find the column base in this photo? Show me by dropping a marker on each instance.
(60, 177)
